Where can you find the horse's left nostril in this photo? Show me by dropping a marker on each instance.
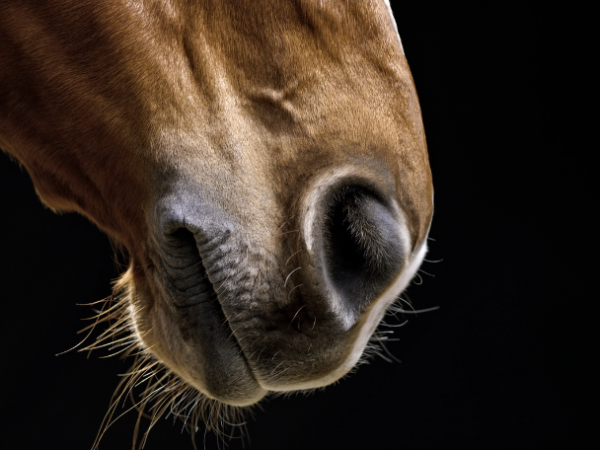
(185, 269)
(210, 356)
(362, 246)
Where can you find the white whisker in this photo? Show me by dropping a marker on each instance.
(290, 274)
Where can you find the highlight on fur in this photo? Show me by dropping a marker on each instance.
(152, 389)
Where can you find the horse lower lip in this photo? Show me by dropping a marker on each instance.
(217, 359)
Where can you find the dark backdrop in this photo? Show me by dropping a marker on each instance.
(499, 365)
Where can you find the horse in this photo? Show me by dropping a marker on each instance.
(263, 167)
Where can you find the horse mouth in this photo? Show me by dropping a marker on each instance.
(233, 320)
(206, 353)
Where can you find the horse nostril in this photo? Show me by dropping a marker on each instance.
(362, 246)
(345, 229)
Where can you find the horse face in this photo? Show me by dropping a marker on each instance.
(266, 170)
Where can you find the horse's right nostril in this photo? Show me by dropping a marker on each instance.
(362, 246)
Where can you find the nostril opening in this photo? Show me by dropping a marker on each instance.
(346, 248)
(185, 269)
(363, 250)
(181, 237)
(180, 248)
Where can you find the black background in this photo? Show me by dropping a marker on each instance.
(502, 364)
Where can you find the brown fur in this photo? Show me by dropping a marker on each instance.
(115, 107)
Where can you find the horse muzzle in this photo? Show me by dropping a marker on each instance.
(238, 312)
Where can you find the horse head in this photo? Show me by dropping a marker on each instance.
(264, 167)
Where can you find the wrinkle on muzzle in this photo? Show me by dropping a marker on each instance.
(213, 359)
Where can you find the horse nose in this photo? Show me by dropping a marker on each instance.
(359, 246)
